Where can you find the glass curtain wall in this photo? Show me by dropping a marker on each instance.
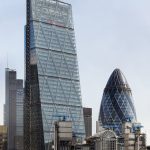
(117, 103)
(52, 69)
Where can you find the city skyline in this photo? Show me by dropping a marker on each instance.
(120, 29)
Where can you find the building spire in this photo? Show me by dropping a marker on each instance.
(7, 60)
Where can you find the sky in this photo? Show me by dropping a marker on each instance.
(109, 34)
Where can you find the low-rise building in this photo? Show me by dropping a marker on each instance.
(3, 137)
(104, 140)
(134, 139)
(63, 135)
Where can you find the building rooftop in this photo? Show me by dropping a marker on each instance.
(117, 79)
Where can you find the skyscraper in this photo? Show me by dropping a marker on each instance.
(52, 87)
(117, 103)
(13, 110)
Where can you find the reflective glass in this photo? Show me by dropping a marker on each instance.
(117, 104)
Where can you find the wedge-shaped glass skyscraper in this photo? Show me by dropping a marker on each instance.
(117, 105)
(52, 77)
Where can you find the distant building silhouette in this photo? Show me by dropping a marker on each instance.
(87, 113)
(117, 104)
(13, 110)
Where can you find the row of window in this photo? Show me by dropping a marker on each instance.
(53, 82)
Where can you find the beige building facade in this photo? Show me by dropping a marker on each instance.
(3, 137)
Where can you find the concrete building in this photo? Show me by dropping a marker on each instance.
(87, 113)
(13, 109)
(3, 137)
(134, 139)
(104, 140)
(63, 135)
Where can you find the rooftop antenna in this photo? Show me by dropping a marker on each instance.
(7, 60)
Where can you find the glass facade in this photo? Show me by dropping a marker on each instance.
(52, 76)
(117, 104)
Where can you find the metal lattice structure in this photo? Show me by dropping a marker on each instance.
(117, 104)
(52, 78)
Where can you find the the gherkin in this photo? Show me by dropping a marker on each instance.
(117, 104)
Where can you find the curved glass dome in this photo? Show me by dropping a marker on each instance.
(117, 105)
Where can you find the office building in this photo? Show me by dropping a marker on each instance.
(52, 86)
(13, 109)
(117, 103)
(3, 137)
(87, 113)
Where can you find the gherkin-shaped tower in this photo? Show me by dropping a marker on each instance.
(117, 104)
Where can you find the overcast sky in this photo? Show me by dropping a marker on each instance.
(109, 34)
